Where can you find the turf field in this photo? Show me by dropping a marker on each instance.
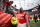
(33, 24)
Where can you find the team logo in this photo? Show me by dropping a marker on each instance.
(20, 16)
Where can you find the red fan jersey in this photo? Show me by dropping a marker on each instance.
(21, 17)
(0, 9)
(28, 17)
(5, 4)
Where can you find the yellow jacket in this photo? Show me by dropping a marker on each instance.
(14, 20)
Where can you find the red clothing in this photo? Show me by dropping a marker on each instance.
(0, 9)
(5, 4)
(28, 18)
(21, 17)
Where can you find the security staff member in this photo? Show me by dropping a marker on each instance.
(35, 18)
(14, 22)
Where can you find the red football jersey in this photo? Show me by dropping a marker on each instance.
(21, 17)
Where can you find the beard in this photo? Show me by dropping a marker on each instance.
(21, 11)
